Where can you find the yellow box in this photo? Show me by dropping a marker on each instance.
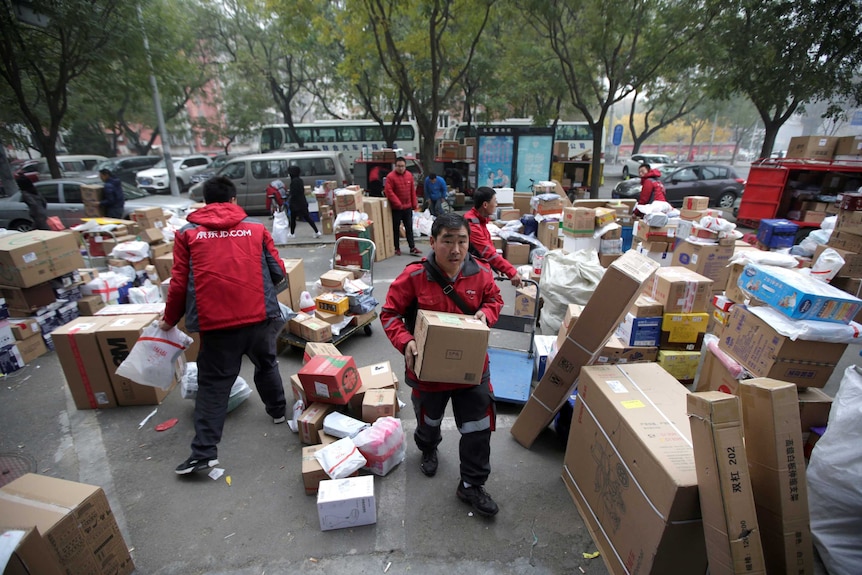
(684, 326)
(680, 364)
(332, 303)
(605, 216)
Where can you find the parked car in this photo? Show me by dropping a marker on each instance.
(155, 180)
(64, 201)
(70, 166)
(631, 165)
(253, 173)
(719, 183)
(218, 162)
(124, 168)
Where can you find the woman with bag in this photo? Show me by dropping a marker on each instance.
(297, 203)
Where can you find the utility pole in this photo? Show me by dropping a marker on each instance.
(163, 132)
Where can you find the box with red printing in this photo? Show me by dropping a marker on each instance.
(330, 379)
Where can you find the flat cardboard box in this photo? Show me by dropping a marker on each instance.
(30, 553)
(773, 444)
(290, 295)
(330, 379)
(116, 338)
(346, 503)
(31, 258)
(310, 422)
(680, 289)
(629, 467)
(726, 498)
(86, 375)
(377, 403)
(452, 347)
(75, 520)
(613, 296)
(766, 353)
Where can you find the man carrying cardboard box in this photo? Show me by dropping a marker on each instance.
(481, 246)
(225, 271)
(473, 405)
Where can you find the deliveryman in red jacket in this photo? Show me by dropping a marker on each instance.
(481, 246)
(473, 405)
(400, 190)
(224, 279)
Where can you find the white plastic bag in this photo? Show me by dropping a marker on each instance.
(382, 445)
(151, 360)
(340, 458)
(147, 293)
(567, 278)
(133, 251)
(834, 488)
(280, 228)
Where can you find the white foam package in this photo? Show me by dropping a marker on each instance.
(340, 458)
(339, 425)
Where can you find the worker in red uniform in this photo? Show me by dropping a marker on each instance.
(481, 246)
(224, 279)
(400, 190)
(652, 188)
(473, 405)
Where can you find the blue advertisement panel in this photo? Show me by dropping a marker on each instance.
(494, 165)
(534, 160)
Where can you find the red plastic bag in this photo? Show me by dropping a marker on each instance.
(55, 224)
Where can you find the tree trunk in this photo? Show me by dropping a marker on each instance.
(596, 165)
(770, 133)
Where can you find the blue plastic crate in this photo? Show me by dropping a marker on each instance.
(628, 234)
(777, 233)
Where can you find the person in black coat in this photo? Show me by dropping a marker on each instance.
(37, 205)
(113, 199)
(297, 203)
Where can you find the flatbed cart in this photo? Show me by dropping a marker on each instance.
(286, 338)
(512, 369)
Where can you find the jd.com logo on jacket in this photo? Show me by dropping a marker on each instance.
(208, 235)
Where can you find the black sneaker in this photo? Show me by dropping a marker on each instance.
(191, 465)
(429, 463)
(476, 496)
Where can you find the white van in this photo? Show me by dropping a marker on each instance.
(253, 173)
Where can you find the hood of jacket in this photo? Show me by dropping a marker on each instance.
(653, 173)
(218, 216)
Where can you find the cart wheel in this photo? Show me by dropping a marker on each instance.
(367, 330)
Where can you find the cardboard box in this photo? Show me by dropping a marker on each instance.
(766, 353)
(86, 375)
(773, 444)
(298, 390)
(613, 296)
(346, 503)
(683, 328)
(645, 233)
(290, 295)
(640, 331)
(313, 329)
(852, 267)
(335, 279)
(605, 216)
(75, 520)
(31, 348)
(164, 264)
(377, 403)
(726, 499)
(618, 351)
(30, 258)
(517, 254)
(525, 301)
(708, 260)
(799, 296)
(151, 235)
(679, 289)
(312, 472)
(375, 376)
(682, 364)
(814, 407)
(521, 201)
(715, 376)
(149, 218)
(812, 147)
(330, 379)
(310, 422)
(845, 241)
(116, 338)
(22, 301)
(161, 249)
(849, 146)
(332, 303)
(695, 203)
(579, 221)
(24, 327)
(315, 348)
(27, 553)
(629, 467)
(347, 200)
(547, 233)
(452, 347)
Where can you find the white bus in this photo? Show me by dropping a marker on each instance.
(578, 135)
(345, 136)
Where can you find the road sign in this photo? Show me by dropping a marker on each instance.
(618, 135)
(856, 120)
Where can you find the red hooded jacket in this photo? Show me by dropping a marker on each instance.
(652, 189)
(225, 271)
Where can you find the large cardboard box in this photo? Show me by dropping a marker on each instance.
(629, 467)
(724, 485)
(116, 339)
(707, 260)
(517, 254)
(330, 379)
(814, 407)
(79, 354)
(616, 292)
(23, 301)
(617, 351)
(579, 221)
(31, 258)
(289, 296)
(346, 503)
(773, 444)
(26, 553)
(680, 289)
(766, 353)
(451, 347)
(813, 147)
(75, 520)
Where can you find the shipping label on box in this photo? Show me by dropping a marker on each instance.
(726, 498)
(452, 348)
(799, 296)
